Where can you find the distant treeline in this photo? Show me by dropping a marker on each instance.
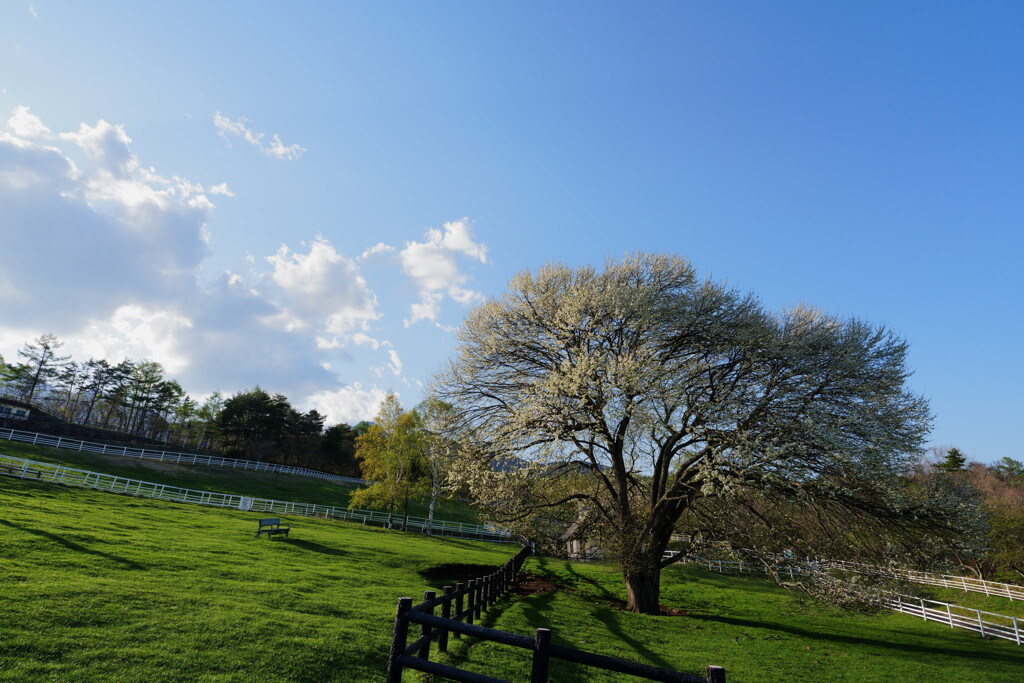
(136, 398)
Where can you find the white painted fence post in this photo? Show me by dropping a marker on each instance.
(981, 624)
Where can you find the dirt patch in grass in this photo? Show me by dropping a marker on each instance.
(529, 583)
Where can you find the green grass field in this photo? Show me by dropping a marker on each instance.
(103, 587)
(757, 631)
(114, 588)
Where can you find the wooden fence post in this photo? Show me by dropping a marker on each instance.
(446, 613)
(398, 638)
(470, 600)
(424, 652)
(460, 591)
(716, 674)
(478, 599)
(539, 670)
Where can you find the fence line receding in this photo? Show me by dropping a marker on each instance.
(462, 604)
(38, 439)
(1001, 626)
(69, 476)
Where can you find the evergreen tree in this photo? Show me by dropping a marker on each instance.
(954, 461)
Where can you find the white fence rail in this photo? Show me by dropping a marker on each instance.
(1003, 590)
(996, 626)
(735, 566)
(59, 474)
(64, 442)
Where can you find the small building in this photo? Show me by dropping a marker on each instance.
(14, 410)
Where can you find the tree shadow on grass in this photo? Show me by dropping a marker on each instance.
(315, 547)
(603, 592)
(536, 609)
(77, 547)
(944, 648)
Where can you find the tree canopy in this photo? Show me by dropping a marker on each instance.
(633, 393)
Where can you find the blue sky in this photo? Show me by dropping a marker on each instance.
(310, 196)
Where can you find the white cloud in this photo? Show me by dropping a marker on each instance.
(350, 404)
(26, 124)
(113, 232)
(222, 189)
(138, 333)
(363, 339)
(433, 267)
(396, 363)
(379, 248)
(106, 257)
(323, 289)
(275, 148)
(107, 252)
(32, 10)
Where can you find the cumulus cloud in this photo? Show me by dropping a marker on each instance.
(322, 289)
(104, 252)
(222, 189)
(379, 248)
(238, 128)
(108, 253)
(113, 231)
(135, 332)
(433, 267)
(26, 124)
(350, 404)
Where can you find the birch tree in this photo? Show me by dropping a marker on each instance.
(390, 454)
(634, 392)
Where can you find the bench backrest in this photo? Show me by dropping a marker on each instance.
(270, 522)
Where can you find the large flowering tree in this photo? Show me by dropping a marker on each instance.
(617, 399)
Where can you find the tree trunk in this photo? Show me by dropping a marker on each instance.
(643, 589)
(430, 512)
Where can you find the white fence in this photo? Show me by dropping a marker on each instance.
(735, 566)
(1003, 590)
(64, 442)
(59, 474)
(996, 626)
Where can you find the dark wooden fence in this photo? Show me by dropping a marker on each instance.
(464, 603)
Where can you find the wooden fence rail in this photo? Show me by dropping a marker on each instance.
(462, 604)
(38, 439)
(69, 476)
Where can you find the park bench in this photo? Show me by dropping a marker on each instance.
(271, 527)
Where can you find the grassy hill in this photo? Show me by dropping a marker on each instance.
(115, 588)
(107, 587)
(226, 480)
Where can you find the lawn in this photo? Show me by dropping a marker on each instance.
(110, 587)
(107, 587)
(757, 631)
